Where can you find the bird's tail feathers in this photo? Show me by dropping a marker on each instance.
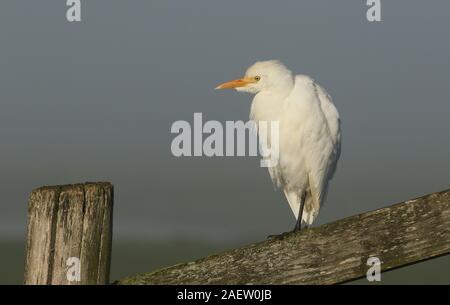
(294, 202)
(310, 209)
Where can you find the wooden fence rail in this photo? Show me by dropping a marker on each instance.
(398, 235)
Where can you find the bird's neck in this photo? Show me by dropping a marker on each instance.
(276, 94)
(266, 105)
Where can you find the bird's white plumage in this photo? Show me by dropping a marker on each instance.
(309, 133)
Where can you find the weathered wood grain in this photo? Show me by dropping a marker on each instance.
(398, 235)
(69, 221)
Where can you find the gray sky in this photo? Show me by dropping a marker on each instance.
(95, 101)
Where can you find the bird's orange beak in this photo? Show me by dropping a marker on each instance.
(242, 82)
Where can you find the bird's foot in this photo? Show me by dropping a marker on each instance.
(300, 228)
(297, 228)
(279, 236)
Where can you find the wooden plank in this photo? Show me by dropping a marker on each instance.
(71, 221)
(40, 238)
(398, 235)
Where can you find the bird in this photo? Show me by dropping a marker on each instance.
(309, 133)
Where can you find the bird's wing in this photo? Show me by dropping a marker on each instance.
(334, 125)
(322, 143)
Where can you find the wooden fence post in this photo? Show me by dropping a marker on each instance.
(69, 234)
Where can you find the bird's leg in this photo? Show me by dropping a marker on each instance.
(298, 224)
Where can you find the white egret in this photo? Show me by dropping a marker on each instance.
(309, 133)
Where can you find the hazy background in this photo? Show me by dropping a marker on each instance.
(95, 100)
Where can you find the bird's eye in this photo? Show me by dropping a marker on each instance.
(257, 78)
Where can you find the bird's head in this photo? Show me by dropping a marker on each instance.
(270, 75)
